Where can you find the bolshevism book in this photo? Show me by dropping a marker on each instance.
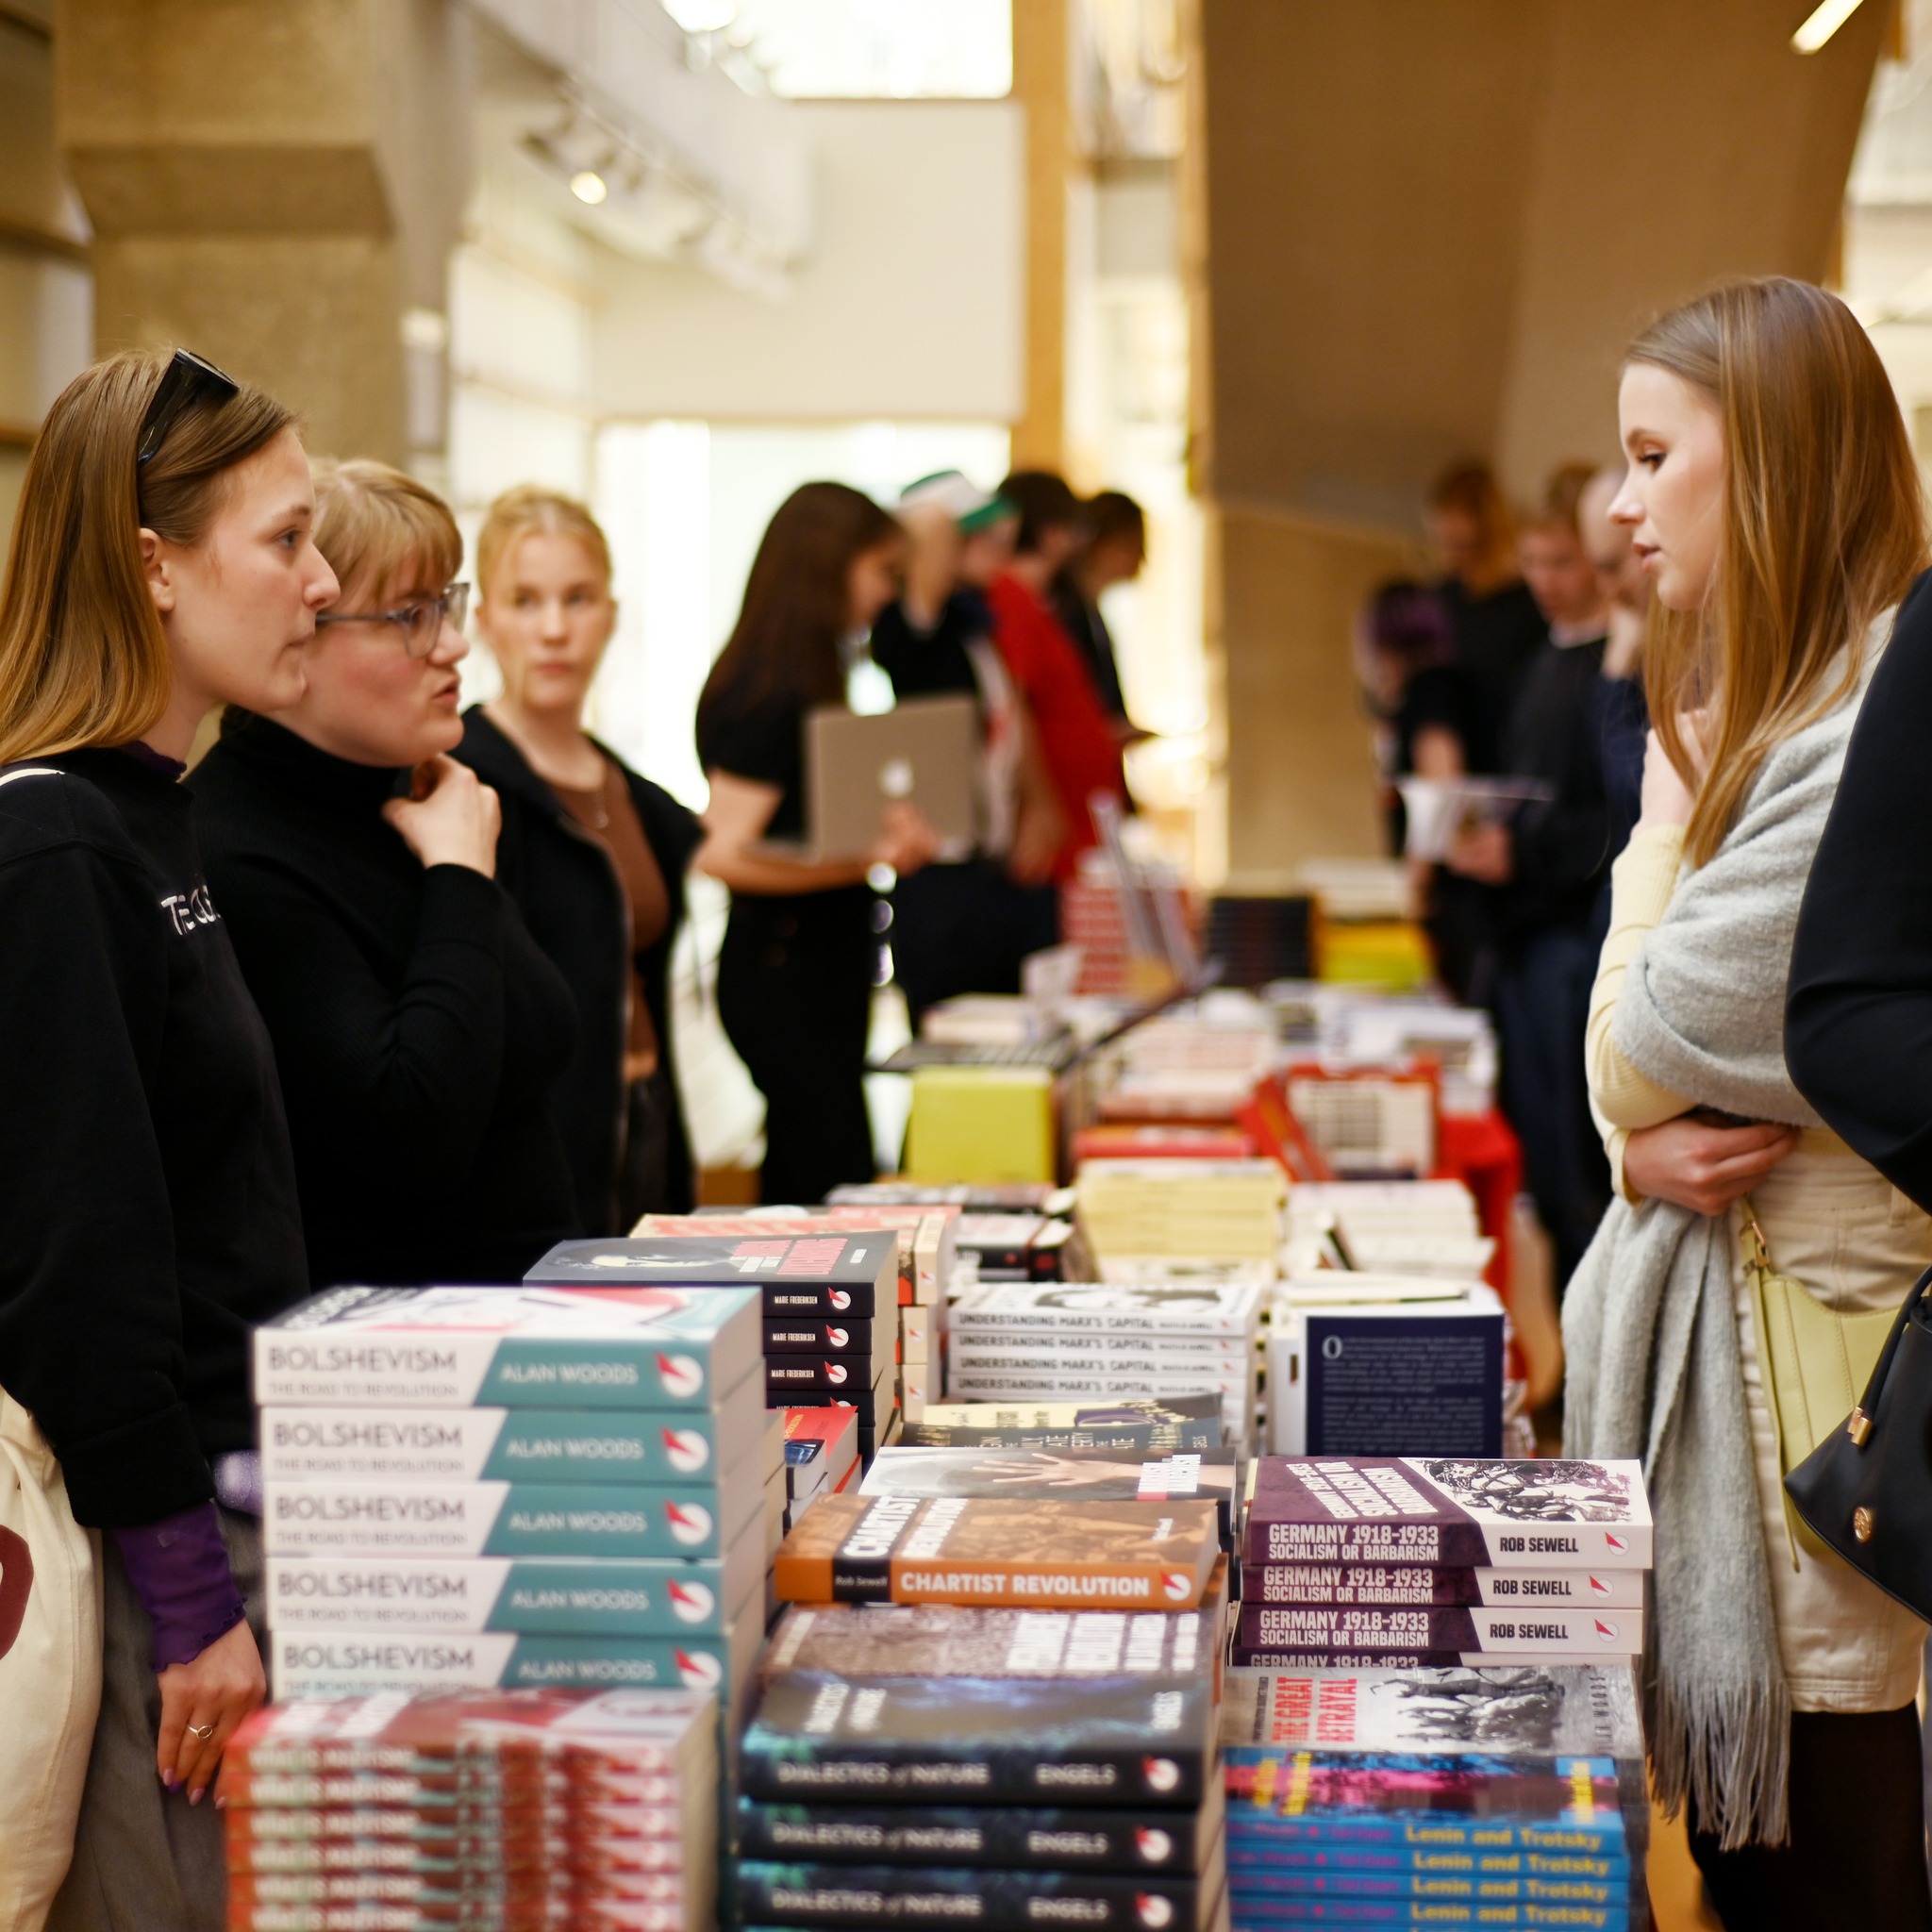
(1112, 1742)
(1033, 1555)
(1536, 1514)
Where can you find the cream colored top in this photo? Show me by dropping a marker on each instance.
(1622, 1099)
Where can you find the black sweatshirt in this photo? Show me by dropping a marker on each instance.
(1858, 1025)
(418, 1028)
(149, 1213)
(568, 892)
(1561, 844)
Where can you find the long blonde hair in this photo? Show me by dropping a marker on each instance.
(83, 657)
(1823, 529)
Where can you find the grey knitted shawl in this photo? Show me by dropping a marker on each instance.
(1649, 1331)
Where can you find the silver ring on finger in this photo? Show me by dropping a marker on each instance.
(201, 1730)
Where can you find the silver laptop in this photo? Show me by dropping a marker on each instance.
(924, 752)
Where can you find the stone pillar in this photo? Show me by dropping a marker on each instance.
(278, 187)
(1043, 84)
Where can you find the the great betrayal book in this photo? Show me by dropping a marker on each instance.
(835, 1273)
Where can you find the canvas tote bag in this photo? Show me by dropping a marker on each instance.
(50, 1669)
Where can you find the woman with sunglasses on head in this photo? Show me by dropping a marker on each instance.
(593, 854)
(162, 565)
(419, 1029)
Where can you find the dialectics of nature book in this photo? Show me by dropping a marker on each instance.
(616, 1347)
(998, 1837)
(835, 1273)
(1531, 1515)
(1110, 1742)
(1032, 1555)
(890, 1895)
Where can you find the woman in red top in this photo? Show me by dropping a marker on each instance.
(1076, 738)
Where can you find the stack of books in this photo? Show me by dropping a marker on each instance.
(821, 1457)
(1387, 1228)
(1210, 1211)
(1016, 1247)
(1015, 1342)
(492, 1486)
(524, 1808)
(1510, 1795)
(1023, 1730)
(928, 1255)
(1371, 1560)
(831, 1335)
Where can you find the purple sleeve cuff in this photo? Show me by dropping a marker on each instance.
(179, 1569)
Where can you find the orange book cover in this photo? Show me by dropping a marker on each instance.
(1004, 1551)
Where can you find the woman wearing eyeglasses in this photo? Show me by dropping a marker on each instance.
(419, 1029)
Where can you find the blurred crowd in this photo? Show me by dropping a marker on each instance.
(1519, 662)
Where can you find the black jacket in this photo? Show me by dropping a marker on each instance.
(1562, 844)
(1859, 1022)
(148, 1215)
(566, 888)
(419, 1030)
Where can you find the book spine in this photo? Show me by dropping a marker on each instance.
(1014, 1838)
(1443, 1628)
(467, 1596)
(1274, 1538)
(350, 1823)
(343, 1663)
(871, 1407)
(472, 1795)
(494, 1520)
(1423, 1585)
(1013, 1325)
(462, 1370)
(468, 1851)
(1252, 1840)
(1292, 1883)
(1165, 1437)
(824, 1301)
(1402, 1863)
(813, 1335)
(869, 1895)
(493, 1444)
(836, 1374)
(792, 1769)
(1266, 1912)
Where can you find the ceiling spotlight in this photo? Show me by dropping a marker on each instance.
(589, 187)
(1819, 27)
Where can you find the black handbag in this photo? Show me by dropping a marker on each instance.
(1867, 1488)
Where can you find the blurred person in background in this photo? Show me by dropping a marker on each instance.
(1494, 617)
(593, 854)
(419, 1030)
(162, 566)
(1115, 552)
(1076, 736)
(1429, 718)
(1550, 858)
(966, 926)
(796, 974)
(1619, 718)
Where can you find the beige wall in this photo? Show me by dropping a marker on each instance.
(271, 185)
(1301, 775)
(1426, 226)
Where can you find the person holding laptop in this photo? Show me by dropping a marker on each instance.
(798, 965)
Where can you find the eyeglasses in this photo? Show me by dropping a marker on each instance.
(420, 623)
(188, 379)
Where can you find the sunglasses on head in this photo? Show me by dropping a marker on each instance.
(190, 380)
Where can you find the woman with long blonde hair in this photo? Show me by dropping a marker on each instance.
(162, 565)
(1773, 497)
(593, 854)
